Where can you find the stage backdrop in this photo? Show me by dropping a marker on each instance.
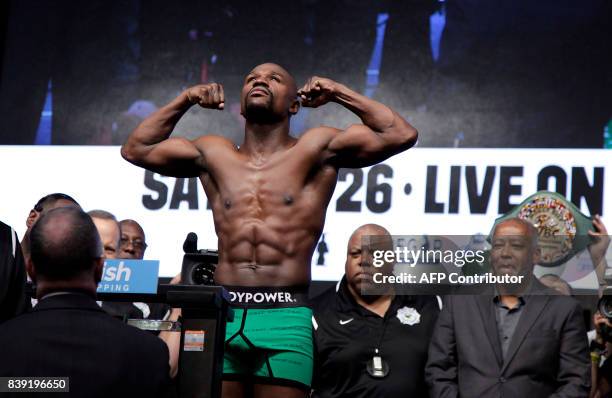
(422, 191)
(468, 73)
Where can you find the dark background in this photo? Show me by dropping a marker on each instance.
(504, 73)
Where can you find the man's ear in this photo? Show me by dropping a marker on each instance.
(30, 269)
(32, 217)
(98, 268)
(295, 107)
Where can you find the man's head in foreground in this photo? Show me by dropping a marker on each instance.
(132, 244)
(514, 248)
(269, 95)
(359, 269)
(66, 252)
(109, 231)
(46, 203)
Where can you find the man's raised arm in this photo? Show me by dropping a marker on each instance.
(383, 133)
(149, 145)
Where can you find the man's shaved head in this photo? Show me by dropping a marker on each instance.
(64, 244)
(529, 229)
(358, 268)
(133, 223)
(378, 236)
(48, 202)
(371, 229)
(280, 70)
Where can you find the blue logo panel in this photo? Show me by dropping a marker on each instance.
(129, 276)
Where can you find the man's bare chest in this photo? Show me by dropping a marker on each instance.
(279, 182)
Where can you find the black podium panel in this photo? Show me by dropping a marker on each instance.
(205, 310)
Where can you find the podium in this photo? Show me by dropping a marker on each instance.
(205, 310)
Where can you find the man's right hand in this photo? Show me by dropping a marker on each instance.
(599, 321)
(209, 96)
(600, 237)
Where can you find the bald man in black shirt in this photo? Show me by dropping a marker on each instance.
(352, 329)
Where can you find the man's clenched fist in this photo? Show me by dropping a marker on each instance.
(208, 96)
(317, 91)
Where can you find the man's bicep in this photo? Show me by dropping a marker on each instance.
(358, 146)
(175, 157)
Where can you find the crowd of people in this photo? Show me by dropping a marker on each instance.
(527, 340)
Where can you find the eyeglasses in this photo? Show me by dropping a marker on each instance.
(136, 243)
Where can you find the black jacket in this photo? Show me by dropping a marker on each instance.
(12, 275)
(69, 335)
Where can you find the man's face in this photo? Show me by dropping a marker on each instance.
(132, 243)
(268, 94)
(359, 269)
(513, 251)
(109, 235)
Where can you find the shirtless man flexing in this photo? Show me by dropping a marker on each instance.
(269, 197)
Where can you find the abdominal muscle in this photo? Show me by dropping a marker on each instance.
(257, 254)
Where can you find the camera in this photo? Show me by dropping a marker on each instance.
(198, 265)
(604, 305)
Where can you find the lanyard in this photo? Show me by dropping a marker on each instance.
(377, 367)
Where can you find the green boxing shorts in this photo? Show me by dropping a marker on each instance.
(270, 339)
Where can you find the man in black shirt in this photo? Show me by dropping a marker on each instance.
(370, 344)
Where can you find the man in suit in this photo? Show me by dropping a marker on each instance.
(109, 231)
(67, 334)
(515, 340)
(12, 275)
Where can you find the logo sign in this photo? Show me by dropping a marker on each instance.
(129, 276)
(194, 340)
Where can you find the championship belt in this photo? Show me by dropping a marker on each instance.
(562, 228)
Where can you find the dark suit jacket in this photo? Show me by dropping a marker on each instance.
(68, 335)
(12, 275)
(548, 354)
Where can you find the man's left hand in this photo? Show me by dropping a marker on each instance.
(317, 91)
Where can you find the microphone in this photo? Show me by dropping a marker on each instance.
(191, 243)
